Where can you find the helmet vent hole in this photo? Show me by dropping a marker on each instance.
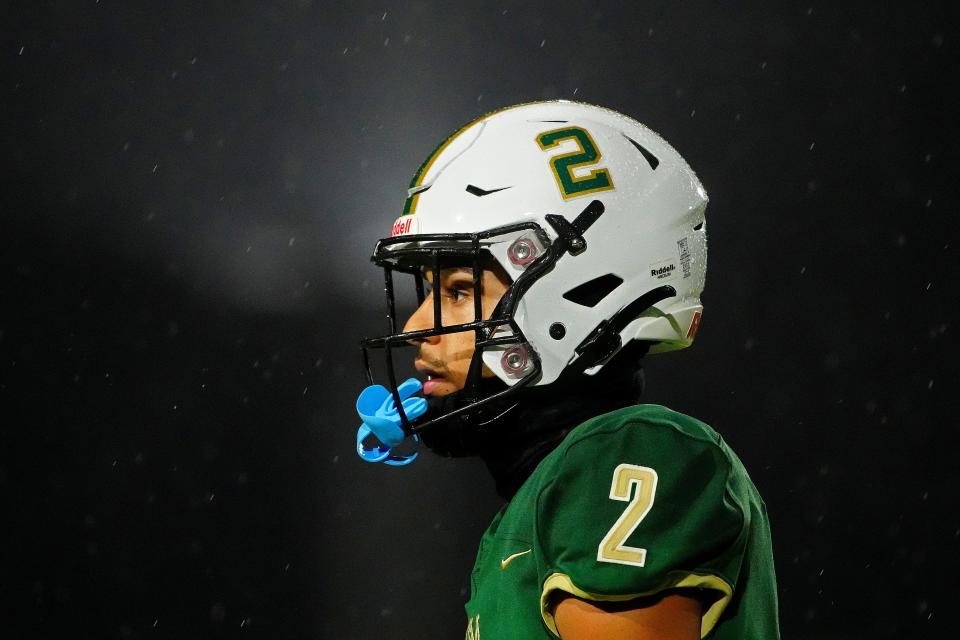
(650, 158)
(591, 292)
(698, 227)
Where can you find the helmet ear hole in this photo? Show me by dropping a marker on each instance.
(591, 292)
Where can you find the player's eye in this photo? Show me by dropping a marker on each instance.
(456, 293)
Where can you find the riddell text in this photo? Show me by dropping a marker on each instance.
(401, 226)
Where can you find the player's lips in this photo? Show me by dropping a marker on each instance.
(435, 379)
(431, 385)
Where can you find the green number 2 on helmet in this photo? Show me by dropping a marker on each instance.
(563, 165)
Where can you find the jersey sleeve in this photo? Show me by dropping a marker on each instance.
(635, 508)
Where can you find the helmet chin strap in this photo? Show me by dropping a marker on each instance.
(513, 429)
(512, 434)
(470, 433)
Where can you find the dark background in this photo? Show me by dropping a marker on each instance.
(190, 195)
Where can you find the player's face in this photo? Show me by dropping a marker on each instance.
(446, 359)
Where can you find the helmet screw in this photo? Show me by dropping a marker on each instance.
(514, 360)
(557, 331)
(576, 244)
(522, 252)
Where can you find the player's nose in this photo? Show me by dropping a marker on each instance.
(422, 319)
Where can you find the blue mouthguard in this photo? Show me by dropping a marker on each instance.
(378, 411)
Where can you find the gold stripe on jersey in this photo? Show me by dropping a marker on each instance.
(674, 580)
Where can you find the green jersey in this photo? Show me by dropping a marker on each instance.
(631, 503)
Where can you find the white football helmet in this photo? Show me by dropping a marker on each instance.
(599, 222)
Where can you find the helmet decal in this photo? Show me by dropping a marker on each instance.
(404, 225)
(564, 164)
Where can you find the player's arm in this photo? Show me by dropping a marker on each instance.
(668, 616)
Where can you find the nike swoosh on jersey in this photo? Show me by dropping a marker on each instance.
(511, 558)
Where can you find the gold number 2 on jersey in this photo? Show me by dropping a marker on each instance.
(641, 483)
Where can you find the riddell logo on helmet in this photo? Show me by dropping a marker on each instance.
(663, 272)
(404, 225)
